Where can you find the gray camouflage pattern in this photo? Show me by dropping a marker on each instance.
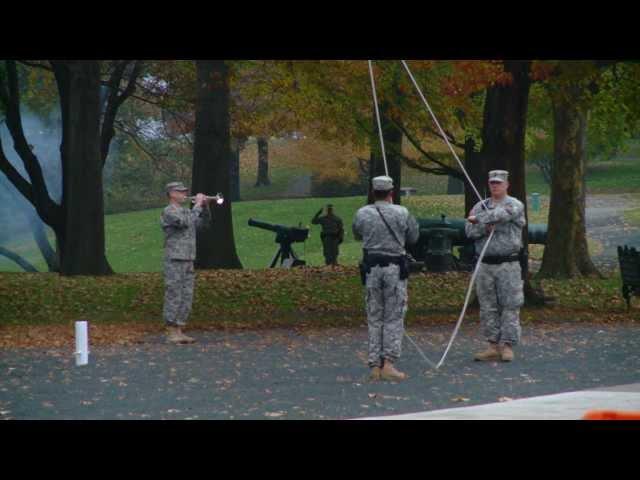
(179, 280)
(500, 293)
(179, 225)
(386, 304)
(509, 219)
(499, 287)
(376, 239)
(386, 296)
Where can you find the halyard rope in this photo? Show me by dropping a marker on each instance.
(484, 249)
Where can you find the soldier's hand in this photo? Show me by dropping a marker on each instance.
(473, 219)
(490, 227)
(200, 199)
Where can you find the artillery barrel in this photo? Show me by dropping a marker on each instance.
(284, 233)
(265, 225)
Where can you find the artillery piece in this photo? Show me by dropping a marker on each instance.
(285, 236)
(438, 237)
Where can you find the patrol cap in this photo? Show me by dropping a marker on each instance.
(382, 183)
(498, 176)
(179, 186)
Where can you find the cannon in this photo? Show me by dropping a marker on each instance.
(438, 237)
(285, 236)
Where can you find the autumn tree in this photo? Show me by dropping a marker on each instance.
(78, 220)
(575, 90)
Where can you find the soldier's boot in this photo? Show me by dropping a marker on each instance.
(389, 372)
(184, 338)
(491, 353)
(374, 374)
(173, 334)
(507, 353)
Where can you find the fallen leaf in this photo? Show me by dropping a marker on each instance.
(460, 399)
(274, 414)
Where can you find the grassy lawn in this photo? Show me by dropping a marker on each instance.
(621, 175)
(134, 239)
(632, 217)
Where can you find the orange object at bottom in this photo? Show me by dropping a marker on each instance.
(611, 415)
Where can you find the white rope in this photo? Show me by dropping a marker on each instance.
(484, 249)
(433, 365)
(375, 102)
(386, 171)
(444, 135)
(466, 301)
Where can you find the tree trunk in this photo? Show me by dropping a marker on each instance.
(236, 148)
(475, 166)
(263, 162)
(393, 145)
(82, 242)
(212, 164)
(503, 134)
(566, 254)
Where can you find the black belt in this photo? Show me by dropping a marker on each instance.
(382, 260)
(496, 260)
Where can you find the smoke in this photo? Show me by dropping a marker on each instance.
(17, 216)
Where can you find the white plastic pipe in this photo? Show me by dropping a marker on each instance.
(82, 343)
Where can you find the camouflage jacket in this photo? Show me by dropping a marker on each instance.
(375, 236)
(179, 225)
(509, 219)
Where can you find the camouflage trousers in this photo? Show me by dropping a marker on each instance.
(500, 293)
(386, 303)
(179, 278)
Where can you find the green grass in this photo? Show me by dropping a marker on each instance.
(621, 175)
(134, 239)
(281, 178)
(632, 217)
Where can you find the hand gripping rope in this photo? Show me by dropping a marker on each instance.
(484, 249)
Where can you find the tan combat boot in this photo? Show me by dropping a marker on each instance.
(173, 334)
(491, 353)
(184, 338)
(389, 372)
(374, 376)
(507, 353)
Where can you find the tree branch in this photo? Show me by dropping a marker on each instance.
(48, 210)
(114, 102)
(14, 176)
(444, 168)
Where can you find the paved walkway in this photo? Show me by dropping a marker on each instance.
(283, 374)
(605, 223)
(562, 406)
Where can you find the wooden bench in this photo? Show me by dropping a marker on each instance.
(629, 259)
(407, 191)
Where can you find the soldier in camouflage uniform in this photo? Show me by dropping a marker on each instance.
(499, 283)
(386, 275)
(179, 225)
(332, 234)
